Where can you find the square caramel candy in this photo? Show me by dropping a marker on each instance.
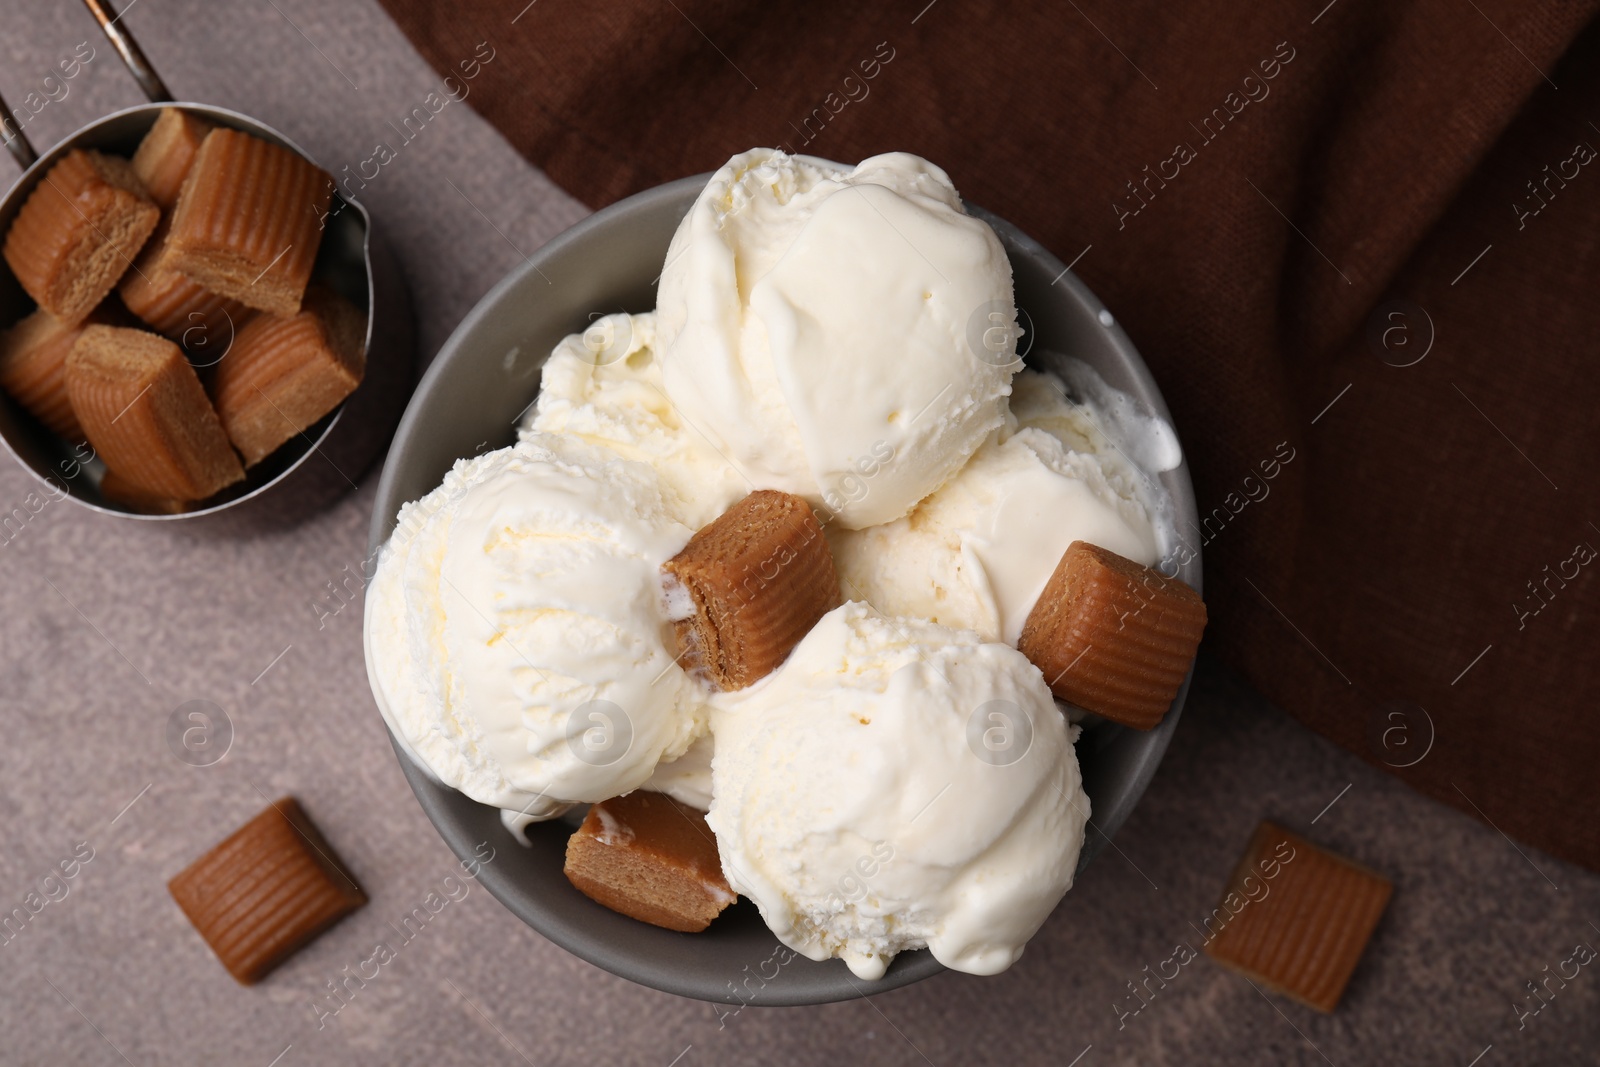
(118, 490)
(650, 858)
(163, 158)
(78, 231)
(283, 374)
(33, 357)
(1296, 918)
(144, 411)
(266, 891)
(1113, 636)
(175, 305)
(248, 221)
(749, 586)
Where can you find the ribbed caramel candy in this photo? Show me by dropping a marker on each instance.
(78, 232)
(748, 587)
(118, 490)
(173, 304)
(1113, 636)
(249, 220)
(651, 858)
(266, 891)
(33, 356)
(283, 374)
(144, 411)
(166, 153)
(1302, 928)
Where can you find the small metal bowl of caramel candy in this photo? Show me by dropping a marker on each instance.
(315, 465)
(470, 400)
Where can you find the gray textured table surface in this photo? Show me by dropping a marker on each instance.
(108, 627)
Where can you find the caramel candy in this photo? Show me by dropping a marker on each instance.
(78, 232)
(748, 587)
(176, 305)
(33, 356)
(1113, 636)
(282, 375)
(166, 153)
(118, 490)
(249, 220)
(1296, 917)
(652, 859)
(266, 891)
(143, 409)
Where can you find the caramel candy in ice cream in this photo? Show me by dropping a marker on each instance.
(33, 357)
(173, 304)
(651, 858)
(748, 587)
(249, 220)
(1113, 636)
(78, 231)
(283, 374)
(266, 891)
(163, 158)
(1296, 918)
(143, 409)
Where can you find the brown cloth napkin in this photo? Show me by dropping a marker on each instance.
(1357, 241)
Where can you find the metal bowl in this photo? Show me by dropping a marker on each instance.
(469, 401)
(345, 442)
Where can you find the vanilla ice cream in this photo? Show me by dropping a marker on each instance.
(897, 784)
(977, 553)
(904, 779)
(687, 779)
(514, 634)
(848, 335)
(604, 386)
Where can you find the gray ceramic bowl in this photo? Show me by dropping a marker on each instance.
(487, 374)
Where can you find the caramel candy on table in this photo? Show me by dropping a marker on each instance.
(249, 220)
(1113, 636)
(176, 305)
(144, 411)
(651, 858)
(78, 232)
(266, 891)
(749, 586)
(33, 356)
(282, 375)
(1305, 933)
(166, 153)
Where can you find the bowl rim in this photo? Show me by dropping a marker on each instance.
(29, 179)
(435, 798)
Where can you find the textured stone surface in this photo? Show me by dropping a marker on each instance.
(108, 627)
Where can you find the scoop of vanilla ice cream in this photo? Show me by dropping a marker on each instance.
(687, 779)
(848, 335)
(604, 385)
(1086, 415)
(977, 553)
(515, 639)
(898, 784)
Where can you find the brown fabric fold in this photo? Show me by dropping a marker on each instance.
(1362, 236)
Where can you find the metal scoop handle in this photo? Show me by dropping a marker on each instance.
(16, 143)
(133, 58)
